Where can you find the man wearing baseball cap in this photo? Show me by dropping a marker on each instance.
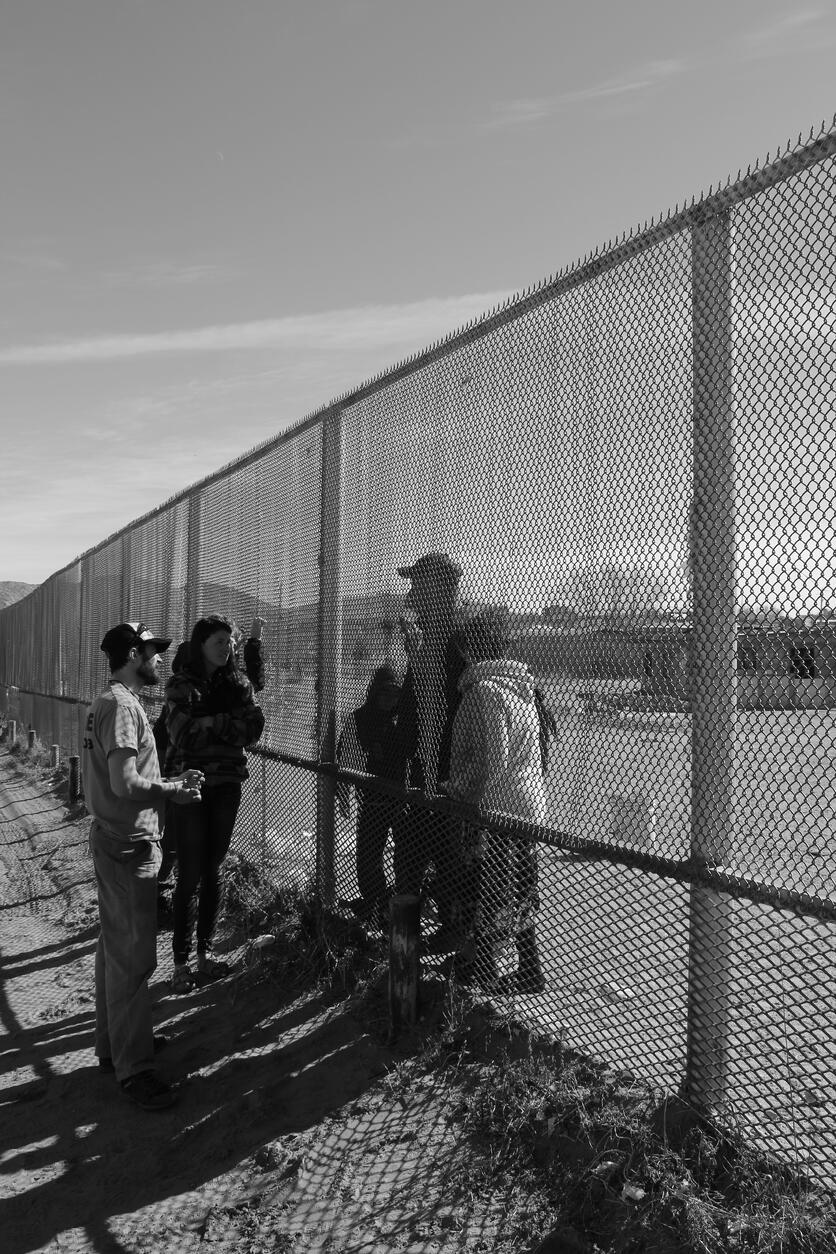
(126, 796)
(427, 706)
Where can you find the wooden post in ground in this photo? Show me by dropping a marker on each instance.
(405, 911)
(11, 737)
(32, 736)
(74, 785)
(54, 756)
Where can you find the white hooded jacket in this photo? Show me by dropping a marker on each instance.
(495, 757)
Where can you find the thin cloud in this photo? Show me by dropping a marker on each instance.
(347, 329)
(795, 32)
(525, 111)
(44, 263)
(170, 274)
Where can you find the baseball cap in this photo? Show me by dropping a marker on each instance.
(130, 635)
(432, 564)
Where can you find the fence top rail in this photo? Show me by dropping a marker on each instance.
(688, 871)
(796, 157)
(691, 871)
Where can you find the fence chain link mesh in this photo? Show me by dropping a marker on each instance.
(631, 469)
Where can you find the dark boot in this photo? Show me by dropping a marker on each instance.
(476, 964)
(484, 962)
(529, 976)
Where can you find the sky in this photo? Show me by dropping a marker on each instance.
(218, 217)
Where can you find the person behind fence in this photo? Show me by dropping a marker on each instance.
(125, 794)
(365, 745)
(428, 702)
(498, 759)
(212, 718)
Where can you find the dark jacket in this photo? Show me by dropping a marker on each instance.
(254, 668)
(217, 749)
(411, 771)
(366, 742)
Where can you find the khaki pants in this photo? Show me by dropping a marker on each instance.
(126, 953)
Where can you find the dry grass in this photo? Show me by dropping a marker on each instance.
(627, 1170)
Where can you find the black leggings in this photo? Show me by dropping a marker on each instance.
(375, 817)
(203, 831)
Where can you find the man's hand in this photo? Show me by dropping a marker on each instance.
(257, 628)
(411, 636)
(193, 777)
(188, 787)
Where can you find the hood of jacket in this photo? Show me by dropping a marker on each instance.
(506, 674)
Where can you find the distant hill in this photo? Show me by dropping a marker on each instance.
(11, 590)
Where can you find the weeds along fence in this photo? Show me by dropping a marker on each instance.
(636, 461)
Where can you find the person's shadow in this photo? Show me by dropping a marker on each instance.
(253, 1070)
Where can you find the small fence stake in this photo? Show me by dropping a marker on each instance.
(11, 738)
(32, 737)
(74, 786)
(54, 756)
(405, 912)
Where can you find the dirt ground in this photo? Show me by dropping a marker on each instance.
(294, 1130)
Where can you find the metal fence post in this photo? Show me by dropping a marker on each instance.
(263, 816)
(74, 785)
(330, 648)
(82, 712)
(11, 736)
(126, 581)
(192, 587)
(713, 661)
(191, 598)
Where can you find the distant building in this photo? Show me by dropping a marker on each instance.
(791, 665)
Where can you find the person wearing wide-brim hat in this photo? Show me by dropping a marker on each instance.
(428, 703)
(126, 796)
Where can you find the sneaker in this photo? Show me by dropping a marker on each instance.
(359, 907)
(209, 968)
(160, 1042)
(182, 981)
(149, 1091)
(530, 982)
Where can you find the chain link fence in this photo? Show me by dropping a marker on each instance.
(631, 468)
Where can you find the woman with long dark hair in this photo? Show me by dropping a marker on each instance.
(212, 717)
